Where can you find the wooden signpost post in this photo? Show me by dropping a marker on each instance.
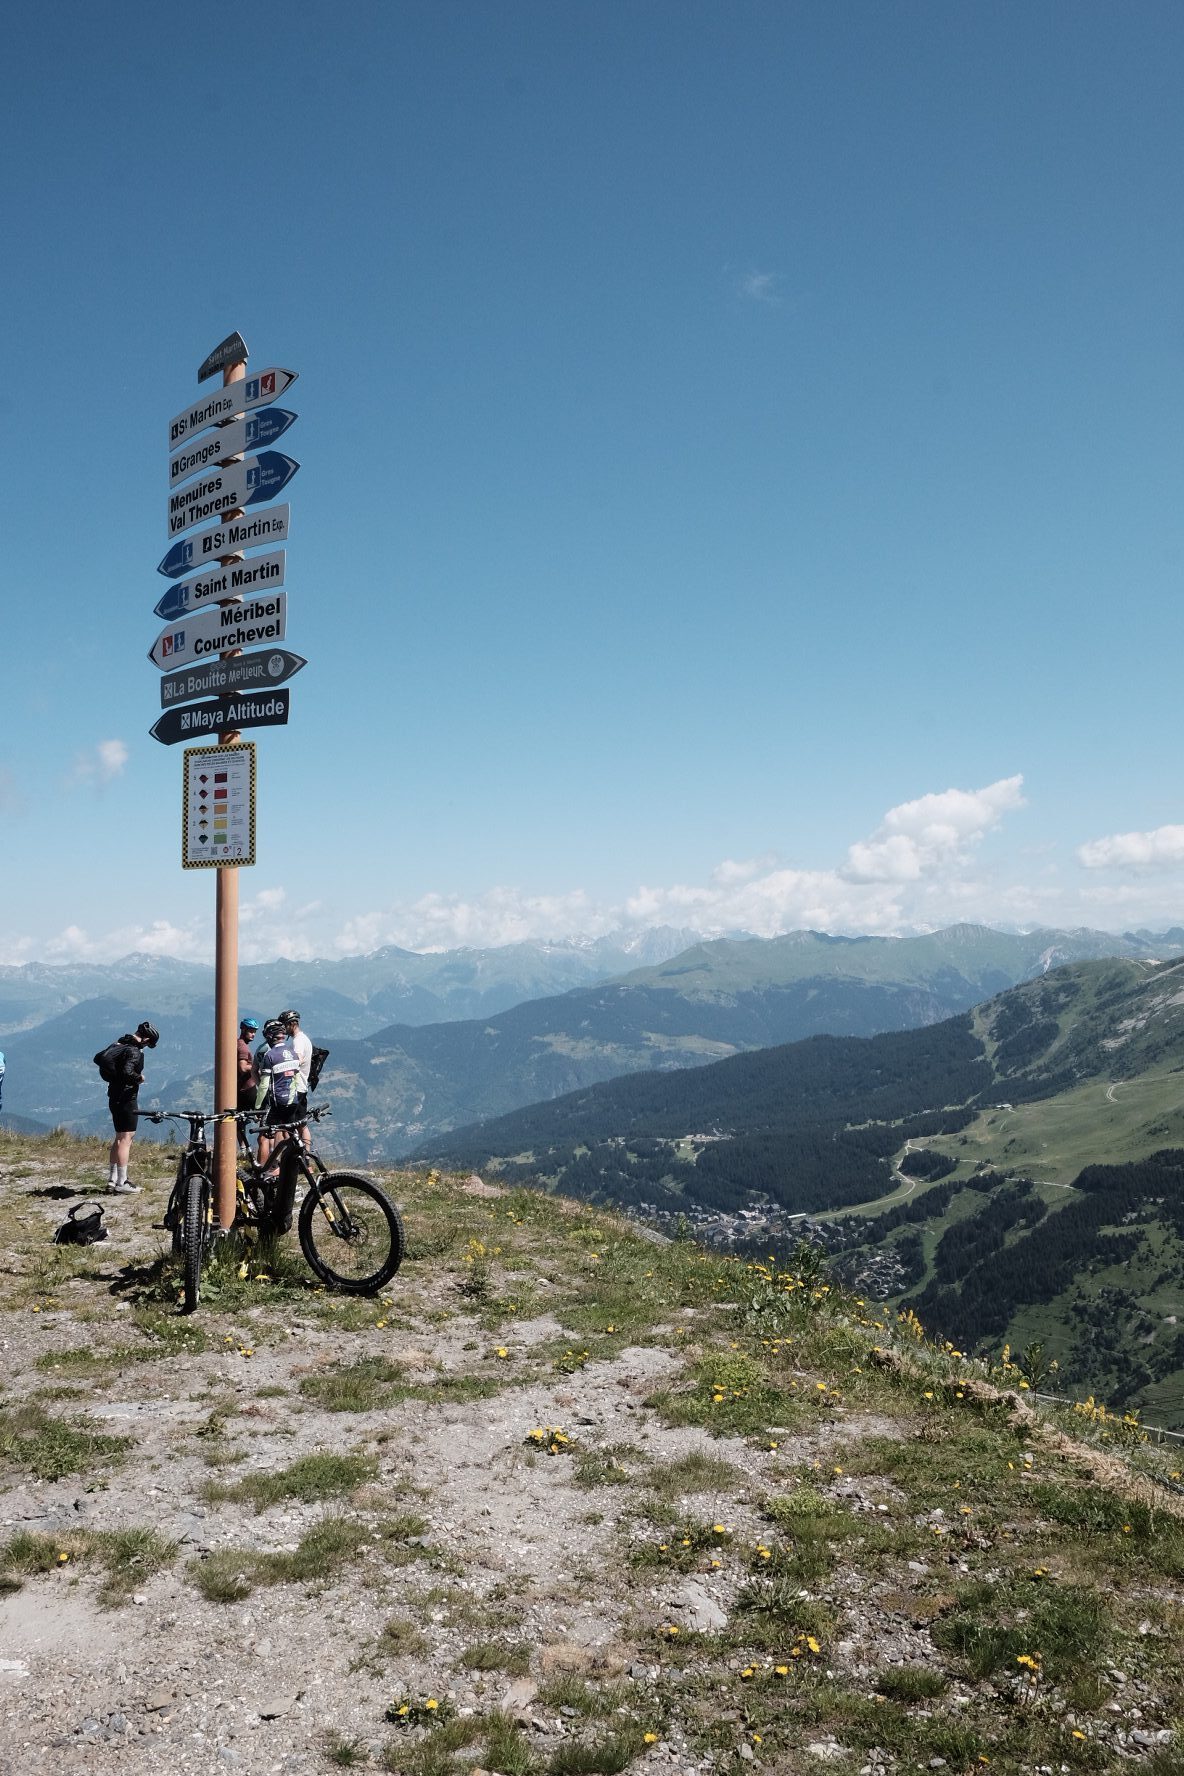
(218, 814)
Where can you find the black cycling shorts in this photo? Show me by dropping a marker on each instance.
(124, 1112)
(288, 1115)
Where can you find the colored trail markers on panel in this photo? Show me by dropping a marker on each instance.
(218, 807)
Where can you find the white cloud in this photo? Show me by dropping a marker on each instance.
(1161, 848)
(911, 874)
(101, 763)
(936, 832)
(730, 871)
(761, 286)
(448, 921)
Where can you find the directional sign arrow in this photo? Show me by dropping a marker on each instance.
(263, 573)
(214, 632)
(197, 720)
(237, 397)
(230, 538)
(246, 483)
(229, 440)
(260, 671)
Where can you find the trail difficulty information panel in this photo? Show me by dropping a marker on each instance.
(218, 812)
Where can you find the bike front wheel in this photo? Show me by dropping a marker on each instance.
(196, 1233)
(350, 1232)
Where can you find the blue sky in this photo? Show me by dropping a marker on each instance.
(740, 457)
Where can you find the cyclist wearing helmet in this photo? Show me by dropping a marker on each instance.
(248, 1073)
(282, 1085)
(126, 1070)
(300, 1042)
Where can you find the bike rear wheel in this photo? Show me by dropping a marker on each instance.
(196, 1232)
(351, 1233)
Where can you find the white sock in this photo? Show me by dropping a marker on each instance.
(113, 1174)
(121, 1174)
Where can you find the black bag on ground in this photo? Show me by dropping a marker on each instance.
(319, 1057)
(81, 1229)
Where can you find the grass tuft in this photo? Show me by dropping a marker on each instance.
(312, 1477)
(50, 1448)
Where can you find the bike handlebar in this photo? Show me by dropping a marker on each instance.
(183, 1115)
(313, 1113)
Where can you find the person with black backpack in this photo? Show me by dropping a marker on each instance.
(121, 1067)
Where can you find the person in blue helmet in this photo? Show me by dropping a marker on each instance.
(248, 1072)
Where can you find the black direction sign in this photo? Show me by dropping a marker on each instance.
(223, 715)
(262, 670)
(233, 350)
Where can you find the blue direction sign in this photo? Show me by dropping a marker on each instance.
(235, 580)
(223, 403)
(218, 678)
(230, 538)
(223, 716)
(227, 441)
(246, 483)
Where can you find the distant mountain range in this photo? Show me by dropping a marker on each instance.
(347, 996)
(395, 1084)
(813, 1124)
(1016, 1173)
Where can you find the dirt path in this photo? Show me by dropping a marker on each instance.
(560, 1501)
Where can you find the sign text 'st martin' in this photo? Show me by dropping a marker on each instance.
(254, 432)
(230, 538)
(237, 397)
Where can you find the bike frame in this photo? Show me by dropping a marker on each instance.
(288, 1154)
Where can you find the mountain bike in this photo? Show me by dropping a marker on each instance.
(190, 1212)
(350, 1231)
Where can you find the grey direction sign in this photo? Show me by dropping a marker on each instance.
(260, 671)
(212, 408)
(230, 538)
(251, 432)
(246, 483)
(232, 350)
(249, 624)
(268, 709)
(235, 579)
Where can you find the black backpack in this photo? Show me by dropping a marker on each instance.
(319, 1057)
(111, 1062)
